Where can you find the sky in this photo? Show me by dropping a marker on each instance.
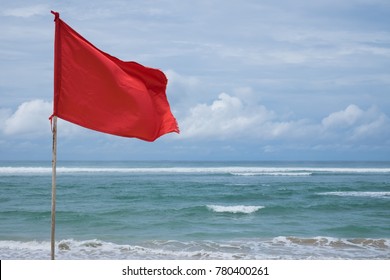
(247, 79)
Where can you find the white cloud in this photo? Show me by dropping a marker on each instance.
(373, 129)
(31, 118)
(355, 124)
(229, 117)
(343, 118)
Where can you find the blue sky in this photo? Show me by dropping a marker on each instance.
(248, 80)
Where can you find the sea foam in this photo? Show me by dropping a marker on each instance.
(282, 247)
(234, 209)
(359, 194)
(274, 173)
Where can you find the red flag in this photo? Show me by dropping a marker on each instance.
(98, 91)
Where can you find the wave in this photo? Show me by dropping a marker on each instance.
(272, 174)
(333, 242)
(282, 247)
(359, 194)
(234, 209)
(235, 170)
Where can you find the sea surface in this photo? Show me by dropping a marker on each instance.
(197, 210)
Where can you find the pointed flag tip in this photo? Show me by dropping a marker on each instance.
(56, 15)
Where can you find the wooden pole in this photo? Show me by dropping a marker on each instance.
(53, 187)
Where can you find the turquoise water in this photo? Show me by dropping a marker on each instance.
(197, 210)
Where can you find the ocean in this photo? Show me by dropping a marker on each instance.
(197, 210)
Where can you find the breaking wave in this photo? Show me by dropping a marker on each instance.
(282, 247)
(272, 173)
(359, 194)
(234, 209)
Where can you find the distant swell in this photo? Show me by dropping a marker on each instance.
(234, 209)
(240, 171)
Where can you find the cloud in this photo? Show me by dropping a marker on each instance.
(355, 124)
(31, 118)
(227, 118)
(230, 117)
(344, 118)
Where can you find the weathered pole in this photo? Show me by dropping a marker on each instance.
(53, 187)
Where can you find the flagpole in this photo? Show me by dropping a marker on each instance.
(53, 187)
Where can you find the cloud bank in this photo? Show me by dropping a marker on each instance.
(228, 117)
